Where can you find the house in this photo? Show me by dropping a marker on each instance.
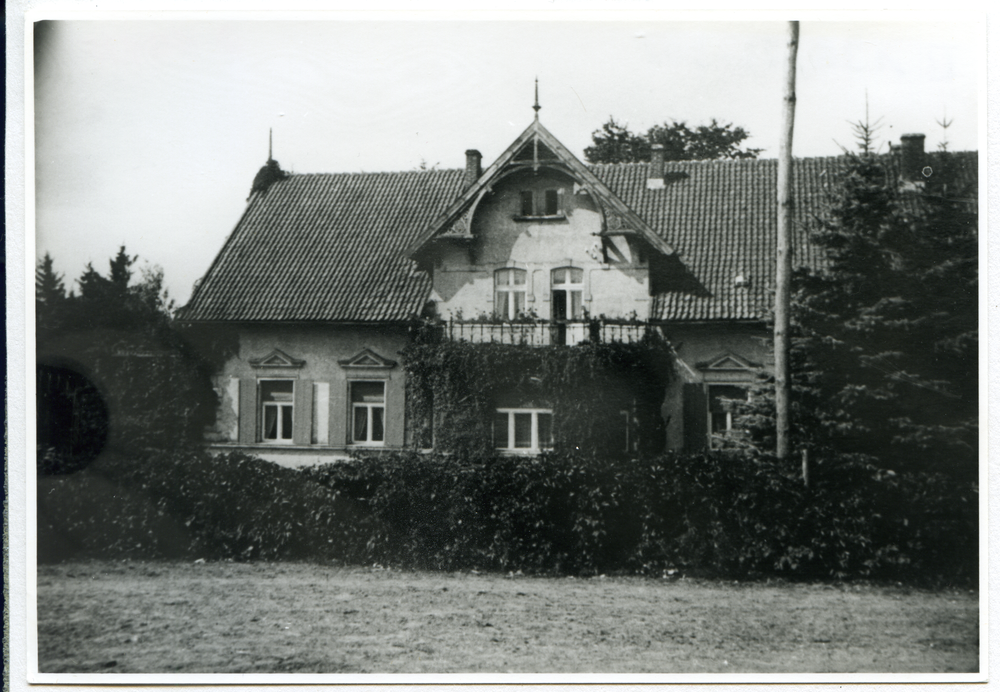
(323, 275)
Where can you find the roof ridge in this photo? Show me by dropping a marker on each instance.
(410, 172)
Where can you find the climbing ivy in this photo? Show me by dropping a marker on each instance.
(454, 388)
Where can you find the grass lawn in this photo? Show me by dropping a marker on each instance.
(155, 617)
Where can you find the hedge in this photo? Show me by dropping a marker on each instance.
(721, 514)
(193, 505)
(710, 514)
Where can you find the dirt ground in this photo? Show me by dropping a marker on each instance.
(304, 618)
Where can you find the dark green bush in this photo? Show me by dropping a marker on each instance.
(191, 504)
(723, 514)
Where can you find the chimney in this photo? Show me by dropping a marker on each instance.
(654, 181)
(911, 160)
(473, 166)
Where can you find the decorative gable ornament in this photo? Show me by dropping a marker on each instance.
(277, 359)
(367, 359)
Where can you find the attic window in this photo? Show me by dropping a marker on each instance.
(545, 204)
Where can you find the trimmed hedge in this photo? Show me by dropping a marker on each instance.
(718, 514)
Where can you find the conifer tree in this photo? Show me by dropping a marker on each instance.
(885, 348)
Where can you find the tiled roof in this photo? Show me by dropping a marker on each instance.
(326, 248)
(331, 247)
(721, 217)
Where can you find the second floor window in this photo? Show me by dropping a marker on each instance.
(510, 288)
(567, 293)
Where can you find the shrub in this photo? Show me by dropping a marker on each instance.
(726, 514)
(231, 506)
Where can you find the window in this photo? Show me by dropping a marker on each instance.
(509, 292)
(567, 293)
(522, 429)
(277, 410)
(527, 203)
(721, 404)
(545, 204)
(551, 202)
(368, 413)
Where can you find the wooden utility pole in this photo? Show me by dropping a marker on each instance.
(782, 294)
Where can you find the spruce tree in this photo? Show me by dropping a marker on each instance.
(885, 333)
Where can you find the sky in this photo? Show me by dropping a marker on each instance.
(148, 133)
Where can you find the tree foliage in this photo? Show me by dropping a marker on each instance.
(114, 369)
(615, 143)
(885, 334)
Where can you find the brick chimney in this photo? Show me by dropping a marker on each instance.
(654, 180)
(911, 158)
(473, 166)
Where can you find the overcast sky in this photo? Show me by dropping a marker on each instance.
(149, 133)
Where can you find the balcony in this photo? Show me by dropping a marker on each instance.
(544, 332)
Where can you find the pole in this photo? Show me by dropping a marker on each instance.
(783, 272)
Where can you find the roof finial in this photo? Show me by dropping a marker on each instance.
(270, 140)
(536, 106)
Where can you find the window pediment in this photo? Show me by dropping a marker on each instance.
(728, 367)
(277, 359)
(367, 359)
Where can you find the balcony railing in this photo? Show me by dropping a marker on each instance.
(545, 333)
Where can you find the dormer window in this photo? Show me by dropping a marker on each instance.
(510, 289)
(540, 204)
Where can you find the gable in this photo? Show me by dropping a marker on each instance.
(536, 147)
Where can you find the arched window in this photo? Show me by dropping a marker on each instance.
(567, 293)
(509, 291)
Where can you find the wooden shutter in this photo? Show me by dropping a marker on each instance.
(248, 411)
(695, 417)
(302, 416)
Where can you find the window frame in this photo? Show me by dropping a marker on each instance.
(262, 407)
(370, 416)
(511, 446)
(510, 289)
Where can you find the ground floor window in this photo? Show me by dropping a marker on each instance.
(721, 404)
(368, 413)
(522, 429)
(277, 410)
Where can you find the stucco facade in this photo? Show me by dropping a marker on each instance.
(324, 366)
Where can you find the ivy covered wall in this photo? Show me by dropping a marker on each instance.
(454, 389)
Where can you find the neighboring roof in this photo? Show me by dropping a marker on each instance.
(335, 247)
(326, 248)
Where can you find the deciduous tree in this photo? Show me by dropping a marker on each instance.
(615, 143)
